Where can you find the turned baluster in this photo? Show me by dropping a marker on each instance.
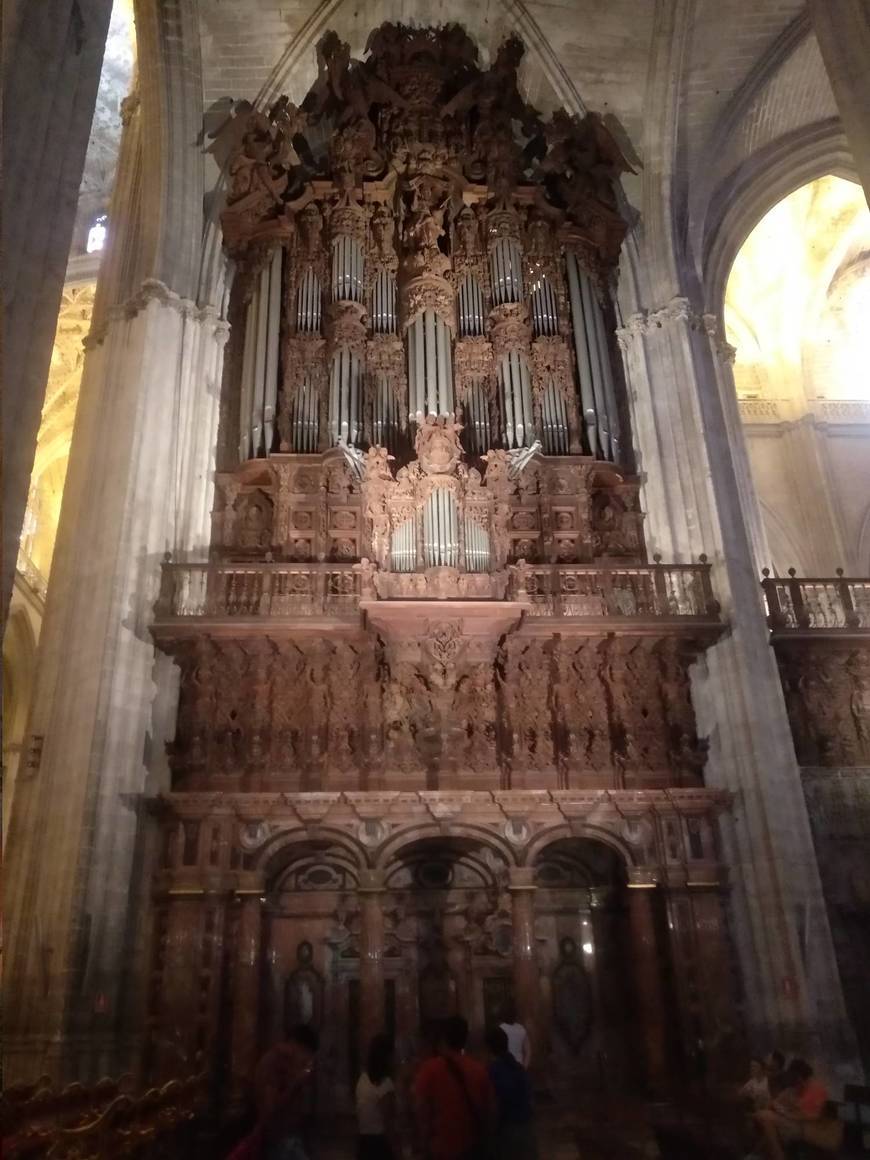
(801, 613)
(660, 587)
(166, 599)
(776, 617)
(850, 616)
(265, 602)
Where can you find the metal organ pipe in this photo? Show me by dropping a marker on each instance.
(308, 304)
(430, 371)
(545, 320)
(259, 385)
(506, 271)
(555, 435)
(607, 379)
(471, 317)
(516, 389)
(594, 368)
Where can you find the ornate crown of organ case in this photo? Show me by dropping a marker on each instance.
(428, 576)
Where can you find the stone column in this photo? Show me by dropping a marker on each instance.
(685, 424)
(525, 965)
(53, 57)
(649, 991)
(139, 481)
(842, 28)
(371, 958)
(246, 986)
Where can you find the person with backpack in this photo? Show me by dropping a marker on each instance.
(454, 1099)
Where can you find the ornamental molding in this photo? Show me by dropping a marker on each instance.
(679, 309)
(153, 290)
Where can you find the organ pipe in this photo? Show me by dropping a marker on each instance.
(309, 304)
(305, 422)
(441, 529)
(594, 368)
(542, 302)
(476, 418)
(554, 421)
(516, 393)
(345, 413)
(347, 269)
(430, 367)
(476, 546)
(384, 316)
(259, 385)
(506, 271)
(471, 311)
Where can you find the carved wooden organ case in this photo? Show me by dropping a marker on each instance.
(424, 419)
(415, 244)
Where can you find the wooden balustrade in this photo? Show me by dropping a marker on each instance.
(816, 604)
(262, 590)
(644, 591)
(100, 1122)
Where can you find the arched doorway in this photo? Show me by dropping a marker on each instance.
(583, 939)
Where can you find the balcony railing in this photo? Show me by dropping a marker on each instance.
(263, 590)
(646, 591)
(819, 605)
(257, 590)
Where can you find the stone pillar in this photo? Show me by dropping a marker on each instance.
(54, 53)
(139, 482)
(684, 423)
(371, 958)
(649, 991)
(842, 28)
(246, 987)
(525, 964)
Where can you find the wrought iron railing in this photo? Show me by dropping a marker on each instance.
(270, 589)
(816, 604)
(648, 591)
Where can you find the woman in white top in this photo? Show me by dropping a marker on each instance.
(376, 1103)
(517, 1036)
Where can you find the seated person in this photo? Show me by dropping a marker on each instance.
(797, 1115)
(755, 1092)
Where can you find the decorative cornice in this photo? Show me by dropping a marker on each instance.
(679, 309)
(153, 290)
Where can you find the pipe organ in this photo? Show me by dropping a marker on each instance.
(426, 608)
(407, 271)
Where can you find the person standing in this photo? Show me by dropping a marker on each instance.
(519, 1044)
(284, 1100)
(376, 1103)
(454, 1099)
(515, 1133)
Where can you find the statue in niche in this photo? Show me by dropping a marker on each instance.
(572, 997)
(254, 531)
(303, 993)
(383, 229)
(468, 234)
(310, 235)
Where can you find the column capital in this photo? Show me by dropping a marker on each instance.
(371, 882)
(643, 877)
(522, 878)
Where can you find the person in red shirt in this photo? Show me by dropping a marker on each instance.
(454, 1099)
(798, 1114)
